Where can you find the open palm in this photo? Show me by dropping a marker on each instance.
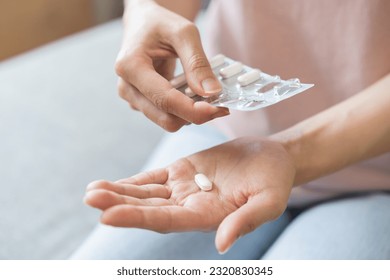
(252, 180)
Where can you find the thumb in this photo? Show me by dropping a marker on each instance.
(199, 75)
(257, 211)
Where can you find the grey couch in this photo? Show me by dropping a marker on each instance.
(63, 125)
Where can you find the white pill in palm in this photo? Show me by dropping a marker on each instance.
(203, 182)
(217, 60)
(248, 78)
(231, 70)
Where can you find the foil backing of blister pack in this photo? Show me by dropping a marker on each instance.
(265, 91)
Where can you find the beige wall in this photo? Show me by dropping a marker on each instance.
(25, 24)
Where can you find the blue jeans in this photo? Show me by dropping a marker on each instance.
(351, 228)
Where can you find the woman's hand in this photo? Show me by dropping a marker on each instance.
(252, 180)
(153, 38)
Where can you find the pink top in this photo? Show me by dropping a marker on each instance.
(340, 46)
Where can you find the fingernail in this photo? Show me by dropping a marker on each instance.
(225, 251)
(211, 86)
(221, 114)
(230, 246)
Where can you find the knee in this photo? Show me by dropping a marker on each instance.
(354, 228)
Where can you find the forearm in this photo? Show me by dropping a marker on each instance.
(352, 131)
(188, 8)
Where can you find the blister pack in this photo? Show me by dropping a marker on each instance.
(243, 88)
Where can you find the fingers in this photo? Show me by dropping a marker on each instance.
(150, 191)
(103, 199)
(171, 109)
(156, 176)
(258, 210)
(162, 95)
(161, 219)
(144, 191)
(139, 102)
(199, 74)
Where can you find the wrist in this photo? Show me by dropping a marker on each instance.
(292, 141)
